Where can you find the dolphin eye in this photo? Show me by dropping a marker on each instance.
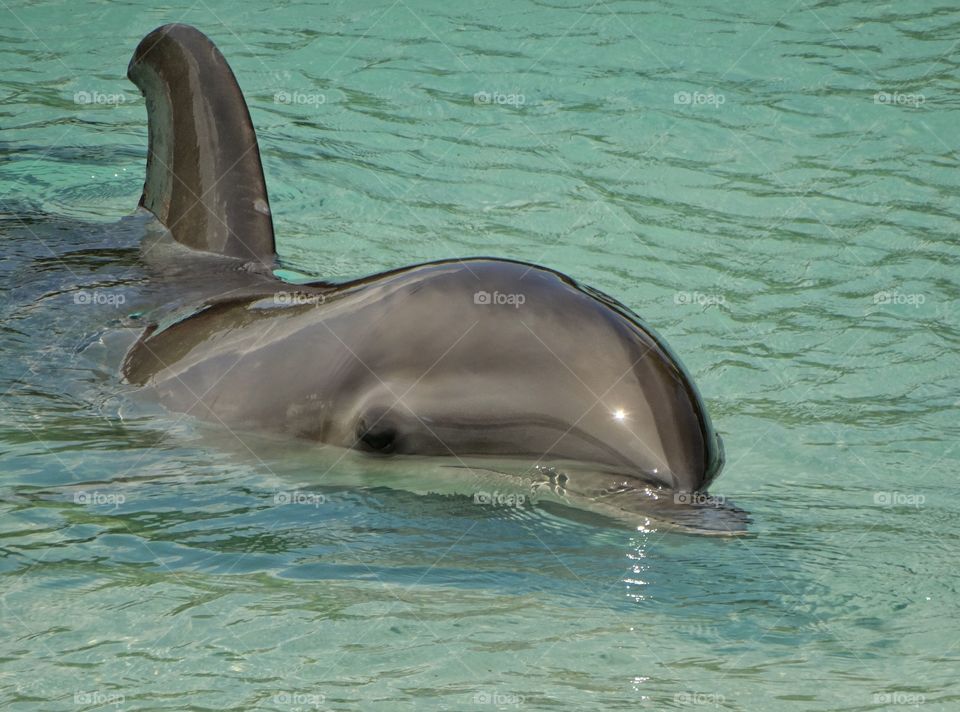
(379, 436)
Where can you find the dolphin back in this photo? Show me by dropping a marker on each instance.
(204, 178)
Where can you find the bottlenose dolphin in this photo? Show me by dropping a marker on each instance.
(468, 358)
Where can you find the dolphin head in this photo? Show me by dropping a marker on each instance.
(571, 377)
(482, 357)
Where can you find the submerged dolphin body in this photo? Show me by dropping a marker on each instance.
(470, 359)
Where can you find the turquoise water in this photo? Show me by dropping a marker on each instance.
(773, 186)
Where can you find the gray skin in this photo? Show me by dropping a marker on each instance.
(408, 362)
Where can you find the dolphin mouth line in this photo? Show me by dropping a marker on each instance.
(635, 505)
(616, 459)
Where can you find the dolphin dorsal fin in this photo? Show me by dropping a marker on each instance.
(204, 179)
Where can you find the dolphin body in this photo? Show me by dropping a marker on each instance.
(478, 359)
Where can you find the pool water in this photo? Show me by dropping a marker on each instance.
(772, 186)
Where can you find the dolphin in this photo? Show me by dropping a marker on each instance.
(474, 360)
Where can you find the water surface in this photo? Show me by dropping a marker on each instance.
(773, 186)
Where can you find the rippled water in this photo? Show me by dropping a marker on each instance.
(772, 185)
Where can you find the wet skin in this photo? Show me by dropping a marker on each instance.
(409, 362)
